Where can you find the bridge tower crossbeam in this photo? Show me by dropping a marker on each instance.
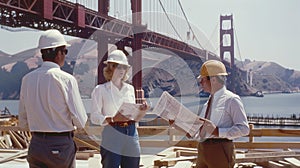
(226, 29)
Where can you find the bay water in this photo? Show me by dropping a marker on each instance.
(276, 105)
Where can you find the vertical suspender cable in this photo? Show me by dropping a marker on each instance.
(170, 20)
(189, 25)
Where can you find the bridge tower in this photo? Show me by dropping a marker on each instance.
(226, 29)
(102, 41)
(136, 60)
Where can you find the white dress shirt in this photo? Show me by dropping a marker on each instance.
(50, 101)
(228, 114)
(107, 99)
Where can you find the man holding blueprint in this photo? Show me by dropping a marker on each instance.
(181, 117)
(222, 119)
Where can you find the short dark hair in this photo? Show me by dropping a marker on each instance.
(50, 53)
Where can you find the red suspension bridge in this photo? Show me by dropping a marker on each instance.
(128, 27)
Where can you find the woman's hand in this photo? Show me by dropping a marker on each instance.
(144, 106)
(120, 118)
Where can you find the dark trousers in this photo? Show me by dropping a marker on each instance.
(51, 151)
(120, 147)
(216, 153)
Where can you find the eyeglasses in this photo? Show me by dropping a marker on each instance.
(203, 79)
(120, 66)
(65, 51)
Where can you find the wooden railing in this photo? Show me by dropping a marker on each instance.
(165, 136)
(283, 143)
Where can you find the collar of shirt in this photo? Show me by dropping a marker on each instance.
(219, 92)
(116, 90)
(116, 97)
(50, 64)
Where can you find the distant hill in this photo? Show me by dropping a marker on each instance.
(271, 77)
(3, 54)
(162, 71)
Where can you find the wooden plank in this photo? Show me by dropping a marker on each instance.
(267, 145)
(273, 164)
(173, 161)
(177, 148)
(21, 139)
(21, 153)
(86, 144)
(7, 140)
(293, 161)
(11, 150)
(264, 154)
(183, 164)
(286, 164)
(15, 140)
(167, 153)
(3, 145)
(265, 159)
(12, 128)
(246, 164)
(82, 156)
(186, 153)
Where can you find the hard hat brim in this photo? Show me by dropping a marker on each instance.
(220, 74)
(55, 46)
(118, 62)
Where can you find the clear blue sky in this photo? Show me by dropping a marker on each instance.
(267, 30)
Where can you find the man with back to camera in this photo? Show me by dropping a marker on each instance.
(51, 107)
(225, 110)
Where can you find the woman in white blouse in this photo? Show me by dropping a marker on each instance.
(120, 143)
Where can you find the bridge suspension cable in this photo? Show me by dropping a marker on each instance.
(186, 19)
(174, 28)
(237, 44)
(210, 39)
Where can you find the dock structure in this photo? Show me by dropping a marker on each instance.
(274, 121)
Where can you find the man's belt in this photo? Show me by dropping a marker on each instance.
(122, 124)
(69, 133)
(216, 140)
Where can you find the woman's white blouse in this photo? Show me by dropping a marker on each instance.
(106, 100)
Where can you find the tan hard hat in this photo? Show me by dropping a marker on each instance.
(52, 38)
(212, 68)
(117, 56)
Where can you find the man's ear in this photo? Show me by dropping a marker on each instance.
(212, 79)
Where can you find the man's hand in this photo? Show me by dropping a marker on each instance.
(206, 130)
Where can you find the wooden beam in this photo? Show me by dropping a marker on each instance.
(183, 164)
(172, 161)
(265, 159)
(86, 144)
(20, 153)
(268, 145)
(293, 160)
(15, 140)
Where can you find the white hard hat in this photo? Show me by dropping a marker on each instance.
(117, 56)
(52, 38)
